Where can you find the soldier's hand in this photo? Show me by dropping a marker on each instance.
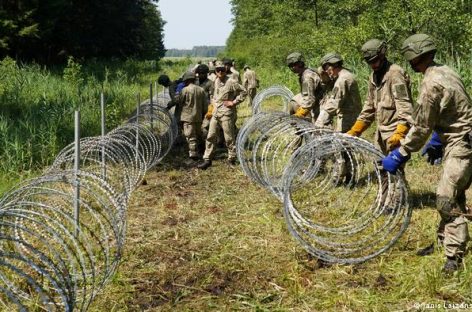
(433, 150)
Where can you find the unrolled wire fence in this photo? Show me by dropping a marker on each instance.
(338, 202)
(62, 234)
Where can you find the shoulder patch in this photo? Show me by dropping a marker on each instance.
(400, 91)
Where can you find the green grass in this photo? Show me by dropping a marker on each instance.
(213, 240)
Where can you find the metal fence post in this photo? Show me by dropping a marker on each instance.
(102, 108)
(137, 127)
(150, 107)
(76, 172)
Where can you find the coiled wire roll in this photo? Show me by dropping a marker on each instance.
(338, 202)
(50, 259)
(274, 91)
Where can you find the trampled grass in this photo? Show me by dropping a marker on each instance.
(215, 241)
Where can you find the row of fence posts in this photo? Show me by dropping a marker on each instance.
(103, 133)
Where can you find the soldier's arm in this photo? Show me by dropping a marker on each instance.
(402, 98)
(241, 91)
(245, 80)
(308, 93)
(425, 118)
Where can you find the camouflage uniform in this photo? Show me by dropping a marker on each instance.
(445, 106)
(388, 103)
(192, 100)
(250, 83)
(234, 75)
(225, 90)
(311, 90)
(344, 102)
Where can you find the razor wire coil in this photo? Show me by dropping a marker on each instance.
(338, 202)
(51, 258)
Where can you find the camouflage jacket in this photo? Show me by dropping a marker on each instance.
(344, 101)
(311, 89)
(235, 75)
(388, 103)
(191, 100)
(445, 107)
(250, 80)
(208, 86)
(227, 89)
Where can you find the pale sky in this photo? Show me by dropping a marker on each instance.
(192, 23)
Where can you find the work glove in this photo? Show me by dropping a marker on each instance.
(209, 112)
(393, 161)
(433, 150)
(399, 134)
(357, 129)
(301, 112)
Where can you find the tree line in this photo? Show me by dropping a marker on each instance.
(265, 31)
(52, 30)
(201, 51)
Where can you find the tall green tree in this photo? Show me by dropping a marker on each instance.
(267, 30)
(52, 30)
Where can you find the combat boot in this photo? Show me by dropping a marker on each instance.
(426, 251)
(205, 164)
(452, 265)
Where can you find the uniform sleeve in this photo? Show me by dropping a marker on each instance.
(245, 80)
(425, 118)
(367, 114)
(333, 103)
(402, 98)
(241, 93)
(308, 93)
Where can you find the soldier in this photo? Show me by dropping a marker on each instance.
(228, 94)
(445, 108)
(344, 100)
(192, 100)
(250, 83)
(208, 86)
(211, 70)
(231, 70)
(388, 100)
(310, 86)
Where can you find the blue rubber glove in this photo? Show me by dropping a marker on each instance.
(393, 161)
(433, 150)
(179, 87)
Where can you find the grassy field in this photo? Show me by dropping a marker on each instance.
(215, 241)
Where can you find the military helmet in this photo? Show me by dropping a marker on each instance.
(294, 58)
(331, 58)
(227, 61)
(373, 48)
(163, 80)
(417, 45)
(211, 68)
(246, 66)
(188, 76)
(202, 69)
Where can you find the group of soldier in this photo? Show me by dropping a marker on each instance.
(205, 103)
(330, 98)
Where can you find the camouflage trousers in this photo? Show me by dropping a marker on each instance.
(192, 133)
(450, 202)
(227, 123)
